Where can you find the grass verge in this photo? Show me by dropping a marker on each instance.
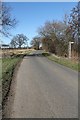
(63, 61)
(8, 66)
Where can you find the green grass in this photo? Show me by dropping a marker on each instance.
(0, 69)
(63, 61)
(0, 81)
(8, 66)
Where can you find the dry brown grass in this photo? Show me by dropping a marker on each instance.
(8, 52)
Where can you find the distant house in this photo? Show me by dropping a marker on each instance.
(4, 46)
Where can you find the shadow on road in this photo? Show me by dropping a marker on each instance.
(34, 55)
(38, 53)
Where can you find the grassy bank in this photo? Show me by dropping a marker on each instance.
(0, 69)
(8, 66)
(63, 61)
(11, 58)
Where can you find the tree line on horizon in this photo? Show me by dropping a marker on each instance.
(53, 35)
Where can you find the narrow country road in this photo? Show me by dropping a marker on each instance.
(45, 89)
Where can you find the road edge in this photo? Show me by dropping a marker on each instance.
(7, 104)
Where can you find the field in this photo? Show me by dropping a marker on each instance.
(12, 52)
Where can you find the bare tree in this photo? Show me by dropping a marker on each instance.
(74, 22)
(19, 40)
(36, 42)
(53, 30)
(6, 21)
(13, 43)
(52, 33)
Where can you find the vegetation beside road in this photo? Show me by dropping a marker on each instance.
(15, 51)
(8, 66)
(63, 61)
(9, 63)
(0, 69)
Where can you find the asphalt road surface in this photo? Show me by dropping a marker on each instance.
(45, 89)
